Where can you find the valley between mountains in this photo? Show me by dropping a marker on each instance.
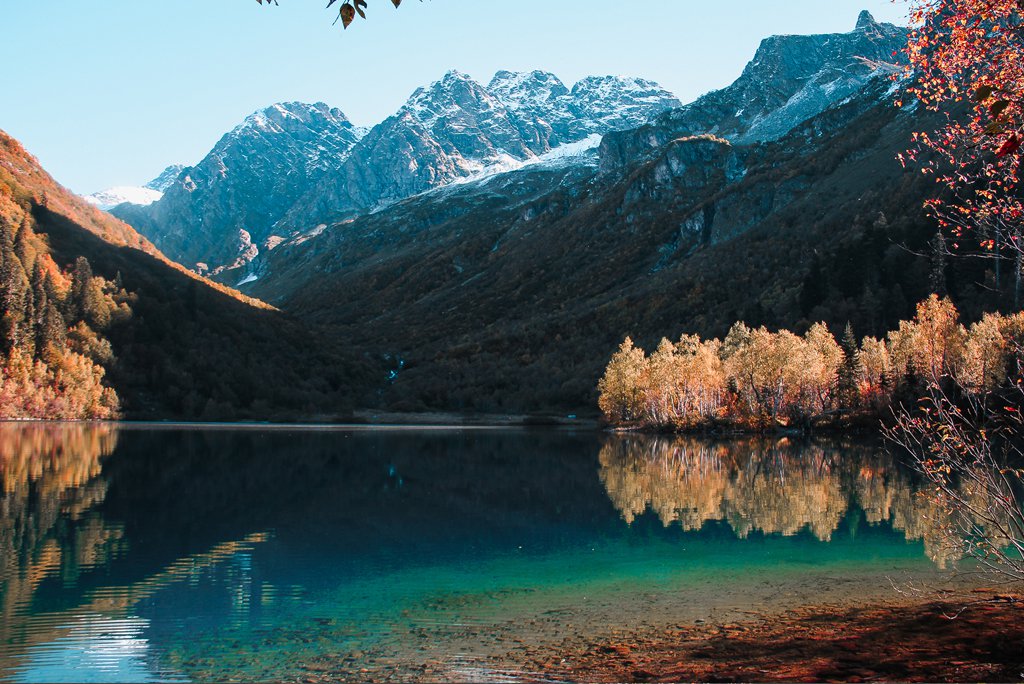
(487, 247)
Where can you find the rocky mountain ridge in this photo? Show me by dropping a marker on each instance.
(219, 215)
(166, 178)
(790, 79)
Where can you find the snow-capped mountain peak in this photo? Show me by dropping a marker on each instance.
(526, 89)
(293, 165)
(618, 102)
(142, 196)
(121, 194)
(455, 95)
(285, 117)
(249, 179)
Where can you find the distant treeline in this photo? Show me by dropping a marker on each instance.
(757, 379)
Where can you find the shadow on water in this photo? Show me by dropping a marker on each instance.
(160, 554)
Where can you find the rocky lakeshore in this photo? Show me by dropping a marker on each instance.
(963, 636)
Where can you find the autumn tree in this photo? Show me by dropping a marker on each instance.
(622, 387)
(52, 356)
(966, 58)
(874, 373)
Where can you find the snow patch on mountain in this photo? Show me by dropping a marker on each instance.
(142, 196)
(111, 197)
(581, 153)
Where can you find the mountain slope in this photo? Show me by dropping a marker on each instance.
(509, 294)
(190, 348)
(789, 80)
(293, 166)
(220, 213)
(457, 128)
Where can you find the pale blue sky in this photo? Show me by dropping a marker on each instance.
(110, 92)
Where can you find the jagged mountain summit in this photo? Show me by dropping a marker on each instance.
(225, 211)
(456, 128)
(789, 80)
(221, 212)
(166, 178)
(250, 194)
(142, 196)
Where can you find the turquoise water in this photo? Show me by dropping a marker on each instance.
(206, 554)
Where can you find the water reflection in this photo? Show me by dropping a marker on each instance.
(774, 486)
(52, 532)
(51, 486)
(145, 554)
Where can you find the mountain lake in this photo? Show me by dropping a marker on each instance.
(167, 553)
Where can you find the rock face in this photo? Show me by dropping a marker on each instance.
(166, 179)
(595, 105)
(292, 166)
(457, 128)
(218, 213)
(789, 80)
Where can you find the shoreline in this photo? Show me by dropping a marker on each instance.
(977, 636)
(960, 636)
(360, 420)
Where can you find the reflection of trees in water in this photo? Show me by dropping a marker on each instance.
(771, 486)
(682, 481)
(57, 456)
(50, 529)
(780, 488)
(49, 485)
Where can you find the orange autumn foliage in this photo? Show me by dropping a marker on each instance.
(967, 59)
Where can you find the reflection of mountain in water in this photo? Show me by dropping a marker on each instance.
(770, 486)
(166, 532)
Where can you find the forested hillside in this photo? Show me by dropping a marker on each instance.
(510, 294)
(51, 334)
(94, 313)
